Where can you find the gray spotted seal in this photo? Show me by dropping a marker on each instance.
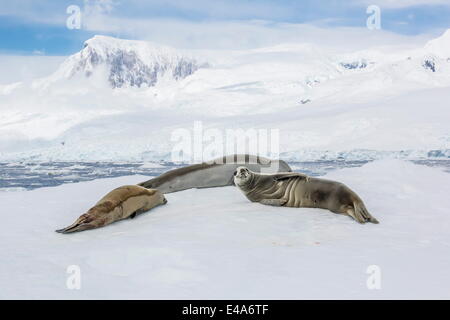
(292, 189)
(215, 173)
(121, 203)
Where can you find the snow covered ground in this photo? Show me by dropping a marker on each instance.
(214, 244)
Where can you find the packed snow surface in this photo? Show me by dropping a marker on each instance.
(215, 244)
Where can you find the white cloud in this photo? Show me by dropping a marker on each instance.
(34, 11)
(51, 12)
(39, 52)
(99, 6)
(235, 9)
(242, 34)
(399, 4)
(26, 68)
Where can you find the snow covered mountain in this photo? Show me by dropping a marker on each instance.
(306, 68)
(128, 63)
(122, 99)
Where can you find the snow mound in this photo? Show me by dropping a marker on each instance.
(214, 244)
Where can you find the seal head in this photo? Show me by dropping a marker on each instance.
(242, 176)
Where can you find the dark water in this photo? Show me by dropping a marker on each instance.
(28, 175)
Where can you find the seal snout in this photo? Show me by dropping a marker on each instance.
(241, 172)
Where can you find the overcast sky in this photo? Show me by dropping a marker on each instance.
(39, 27)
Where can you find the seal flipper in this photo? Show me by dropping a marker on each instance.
(359, 212)
(69, 229)
(362, 210)
(274, 202)
(79, 225)
(142, 210)
(72, 226)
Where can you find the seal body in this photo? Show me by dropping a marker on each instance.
(293, 189)
(215, 173)
(121, 203)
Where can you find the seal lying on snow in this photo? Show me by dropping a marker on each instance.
(294, 189)
(121, 203)
(215, 173)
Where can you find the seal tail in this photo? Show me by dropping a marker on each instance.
(362, 213)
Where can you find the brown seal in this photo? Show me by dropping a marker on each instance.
(292, 189)
(121, 203)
